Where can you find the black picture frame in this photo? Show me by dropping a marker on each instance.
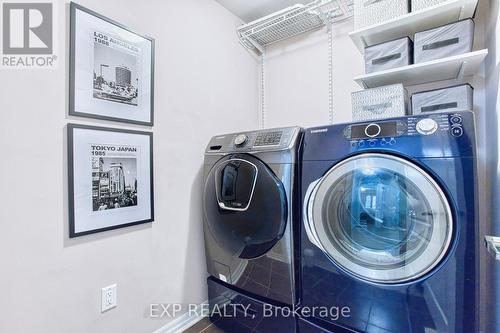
(71, 177)
(72, 44)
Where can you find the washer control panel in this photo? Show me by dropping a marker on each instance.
(385, 132)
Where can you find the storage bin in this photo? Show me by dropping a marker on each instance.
(421, 4)
(368, 12)
(393, 54)
(378, 103)
(449, 40)
(451, 99)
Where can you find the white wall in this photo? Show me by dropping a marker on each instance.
(296, 78)
(206, 84)
(492, 123)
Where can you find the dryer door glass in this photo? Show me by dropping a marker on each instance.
(381, 218)
(245, 206)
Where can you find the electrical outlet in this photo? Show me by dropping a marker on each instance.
(108, 297)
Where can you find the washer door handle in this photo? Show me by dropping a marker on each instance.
(307, 215)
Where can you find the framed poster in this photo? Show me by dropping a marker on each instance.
(110, 178)
(111, 69)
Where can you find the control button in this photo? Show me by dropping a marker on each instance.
(457, 131)
(240, 139)
(456, 119)
(372, 130)
(361, 143)
(427, 126)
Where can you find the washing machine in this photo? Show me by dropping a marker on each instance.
(389, 233)
(251, 206)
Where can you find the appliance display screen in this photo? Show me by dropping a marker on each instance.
(268, 139)
(386, 129)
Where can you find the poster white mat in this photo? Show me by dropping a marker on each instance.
(86, 219)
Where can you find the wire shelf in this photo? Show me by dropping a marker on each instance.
(293, 21)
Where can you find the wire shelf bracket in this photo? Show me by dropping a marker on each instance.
(293, 21)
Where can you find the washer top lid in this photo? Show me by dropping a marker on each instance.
(266, 140)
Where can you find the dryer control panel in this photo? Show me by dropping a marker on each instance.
(266, 139)
(263, 140)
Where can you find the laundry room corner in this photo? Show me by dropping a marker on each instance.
(204, 83)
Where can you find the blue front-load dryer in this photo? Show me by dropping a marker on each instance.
(389, 233)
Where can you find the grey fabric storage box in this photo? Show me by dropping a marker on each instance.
(457, 98)
(369, 12)
(393, 54)
(446, 41)
(422, 4)
(379, 103)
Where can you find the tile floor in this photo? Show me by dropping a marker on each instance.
(267, 277)
(205, 326)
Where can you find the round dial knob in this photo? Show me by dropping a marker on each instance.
(240, 139)
(427, 126)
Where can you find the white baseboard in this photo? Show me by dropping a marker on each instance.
(182, 323)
